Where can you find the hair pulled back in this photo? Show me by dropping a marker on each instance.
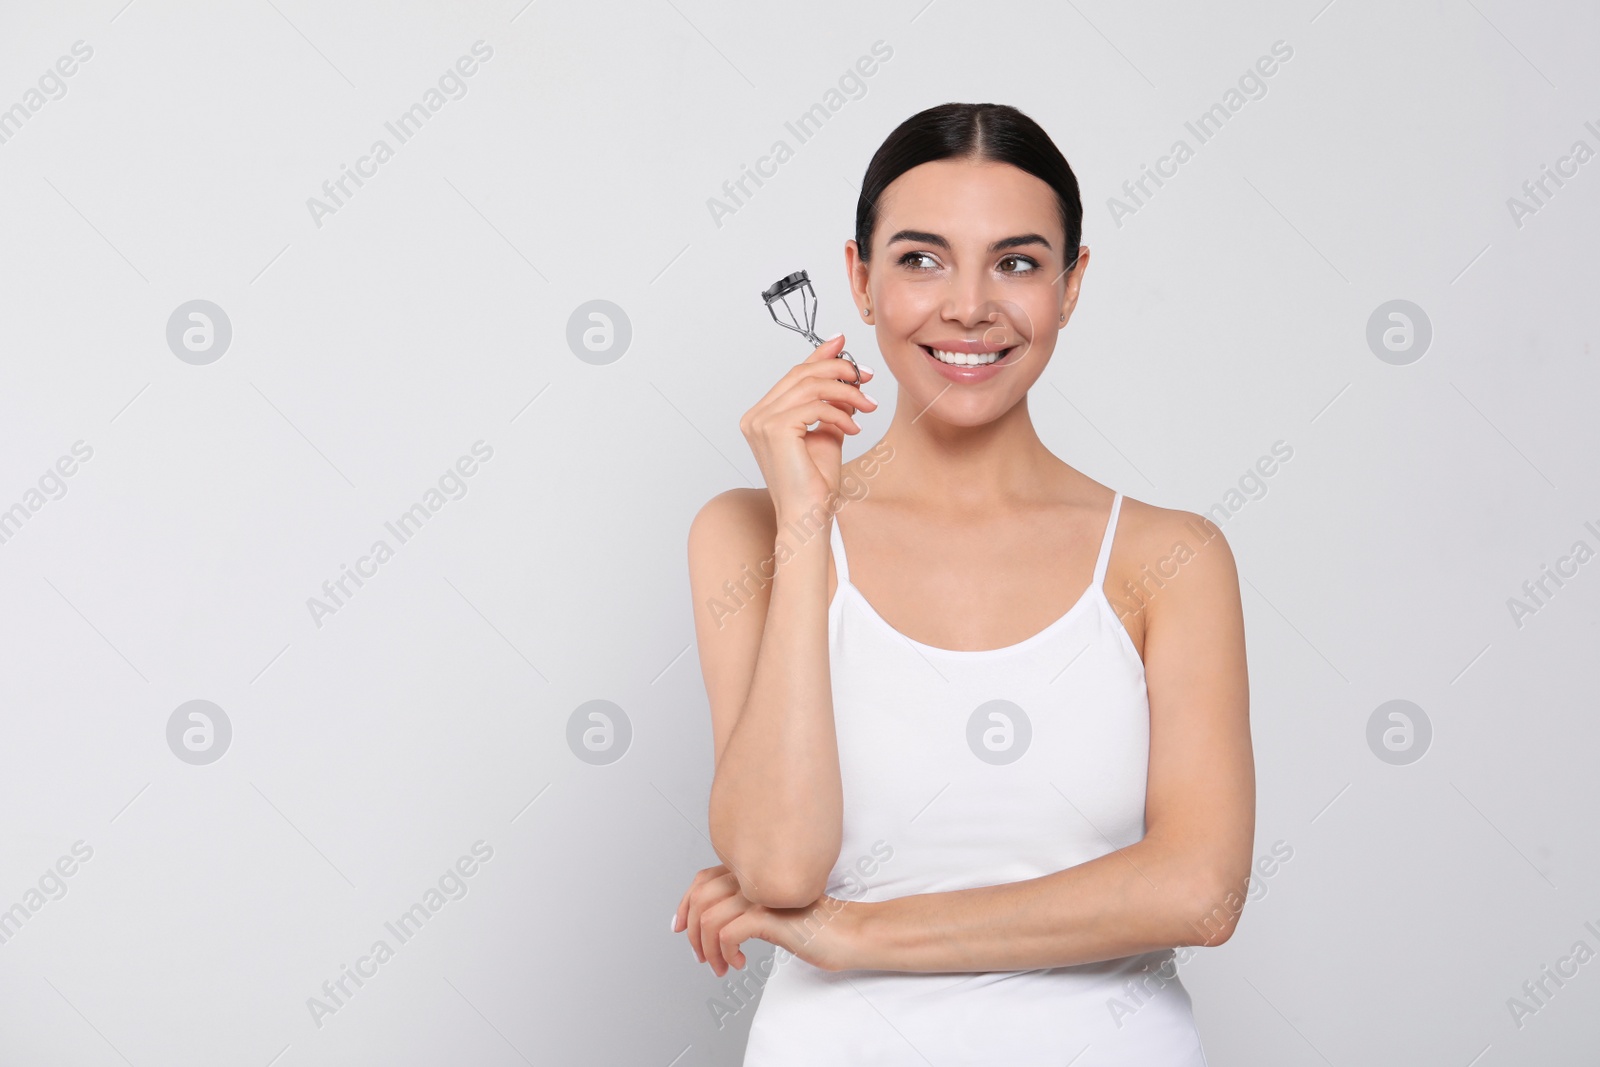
(997, 133)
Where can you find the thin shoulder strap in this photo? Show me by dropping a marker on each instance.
(1105, 543)
(840, 563)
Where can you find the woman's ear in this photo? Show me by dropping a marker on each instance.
(857, 270)
(1069, 298)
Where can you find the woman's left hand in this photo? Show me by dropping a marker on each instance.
(719, 918)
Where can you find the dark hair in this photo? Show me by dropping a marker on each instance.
(994, 132)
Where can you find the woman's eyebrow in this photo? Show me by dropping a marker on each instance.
(934, 239)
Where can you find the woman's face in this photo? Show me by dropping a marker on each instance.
(968, 260)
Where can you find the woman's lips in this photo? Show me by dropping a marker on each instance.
(968, 349)
(968, 374)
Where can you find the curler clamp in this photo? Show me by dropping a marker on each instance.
(802, 320)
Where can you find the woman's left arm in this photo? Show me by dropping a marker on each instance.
(1183, 883)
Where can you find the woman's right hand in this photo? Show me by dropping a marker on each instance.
(802, 467)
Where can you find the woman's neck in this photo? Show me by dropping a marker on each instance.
(942, 465)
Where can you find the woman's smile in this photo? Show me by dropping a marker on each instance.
(968, 362)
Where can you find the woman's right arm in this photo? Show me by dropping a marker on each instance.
(776, 810)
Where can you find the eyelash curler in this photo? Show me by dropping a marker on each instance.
(798, 285)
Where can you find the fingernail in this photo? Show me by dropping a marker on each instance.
(834, 338)
(674, 926)
(869, 397)
(864, 368)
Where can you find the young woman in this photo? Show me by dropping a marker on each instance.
(975, 805)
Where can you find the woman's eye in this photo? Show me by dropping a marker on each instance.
(1014, 264)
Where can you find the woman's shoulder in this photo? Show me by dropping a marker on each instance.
(733, 519)
(1143, 521)
(1154, 546)
(740, 502)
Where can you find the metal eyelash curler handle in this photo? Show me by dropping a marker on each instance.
(803, 321)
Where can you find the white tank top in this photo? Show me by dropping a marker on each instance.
(974, 768)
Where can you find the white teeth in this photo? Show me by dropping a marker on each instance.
(965, 359)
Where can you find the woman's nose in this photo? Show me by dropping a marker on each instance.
(970, 303)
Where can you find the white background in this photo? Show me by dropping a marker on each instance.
(369, 352)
